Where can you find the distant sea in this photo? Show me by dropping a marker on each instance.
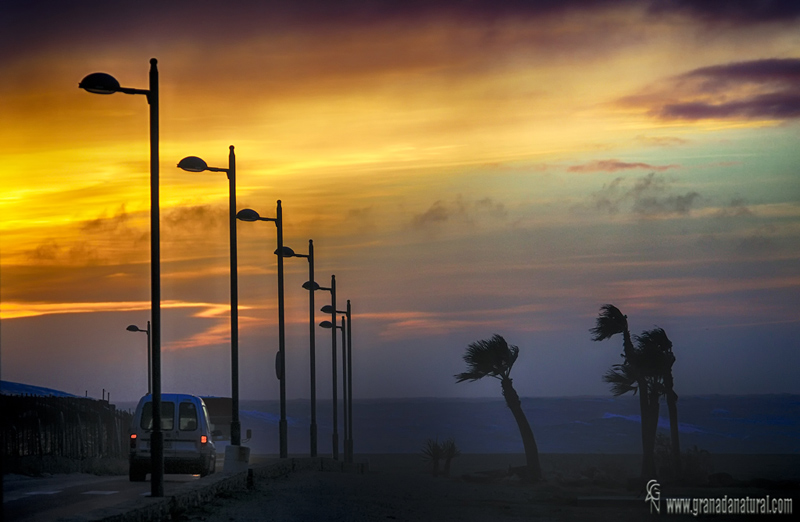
(748, 424)
(744, 424)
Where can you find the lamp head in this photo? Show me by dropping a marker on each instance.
(247, 214)
(192, 164)
(311, 285)
(287, 252)
(100, 83)
(326, 324)
(133, 328)
(327, 309)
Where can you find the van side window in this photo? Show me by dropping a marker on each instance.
(167, 416)
(187, 416)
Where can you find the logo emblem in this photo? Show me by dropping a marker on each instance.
(654, 495)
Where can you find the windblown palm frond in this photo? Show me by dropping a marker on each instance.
(654, 353)
(621, 379)
(655, 339)
(609, 323)
(489, 357)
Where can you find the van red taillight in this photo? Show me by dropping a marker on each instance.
(203, 439)
(133, 441)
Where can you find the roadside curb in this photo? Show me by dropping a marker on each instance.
(194, 494)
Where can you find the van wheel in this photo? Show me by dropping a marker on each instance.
(211, 468)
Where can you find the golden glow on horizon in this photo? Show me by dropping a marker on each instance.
(431, 118)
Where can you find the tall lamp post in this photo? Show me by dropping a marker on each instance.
(349, 440)
(102, 83)
(347, 377)
(311, 286)
(134, 328)
(331, 309)
(195, 164)
(280, 363)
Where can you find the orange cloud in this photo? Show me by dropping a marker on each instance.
(15, 310)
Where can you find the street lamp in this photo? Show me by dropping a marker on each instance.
(102, 83)
(195, 164)
(349, 441)
(311, 286)
(251, 215)
(134, 328)
(331, 309)
(347, 377)
(333, 327)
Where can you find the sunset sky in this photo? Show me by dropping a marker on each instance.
(464, 169)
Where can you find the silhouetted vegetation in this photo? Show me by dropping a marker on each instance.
(433, 453)
(646, 370)
(495, 358)
(658, 352)
(449, 452)
(627, 377)
(696, 467)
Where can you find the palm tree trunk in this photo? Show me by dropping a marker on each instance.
(645, 411)
(648, 458)
(649, 430)
(528, 440)
(672, 406)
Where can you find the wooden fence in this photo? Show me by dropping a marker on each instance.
(68, 427)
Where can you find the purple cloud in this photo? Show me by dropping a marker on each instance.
(779, 106)
(34, 25)
(615, 165)
(742, 12)
(754, 90)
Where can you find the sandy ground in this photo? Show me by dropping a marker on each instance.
(401, 488)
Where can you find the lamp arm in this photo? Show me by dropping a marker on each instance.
(128, 90)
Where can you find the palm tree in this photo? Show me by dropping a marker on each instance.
(656, 343)
(611, 322)
(494, 358)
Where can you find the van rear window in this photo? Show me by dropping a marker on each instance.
(167, 416)
(187, 416)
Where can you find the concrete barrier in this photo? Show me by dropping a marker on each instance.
(237, 459)
(194, 494)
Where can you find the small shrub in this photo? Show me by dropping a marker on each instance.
(697, 466)
(449, 452)
(695, 463)
(432, 452)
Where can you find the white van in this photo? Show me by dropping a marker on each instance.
(188, 441)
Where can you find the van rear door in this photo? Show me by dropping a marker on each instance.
(187, 432)
(167, 425)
